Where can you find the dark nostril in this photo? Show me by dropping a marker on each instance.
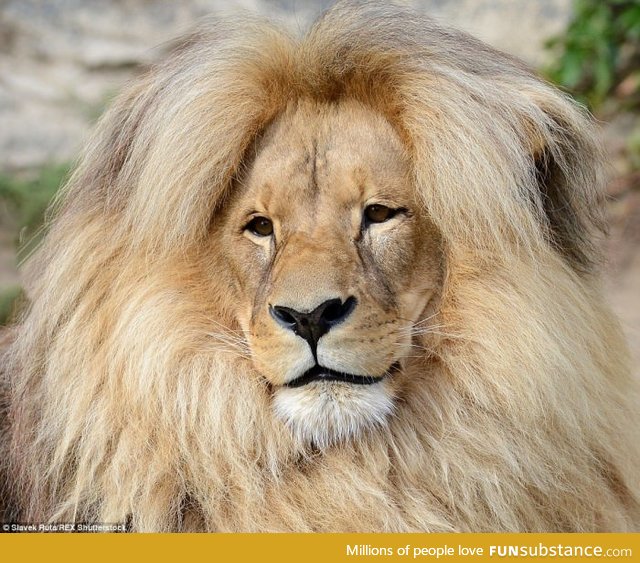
(283, 317)
(332, 312)
(335, 310)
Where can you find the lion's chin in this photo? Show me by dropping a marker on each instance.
(323, 414)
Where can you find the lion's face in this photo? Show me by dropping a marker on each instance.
(333, 260)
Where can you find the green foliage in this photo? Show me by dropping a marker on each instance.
(8, 299)
(23, 202)
(599, 51)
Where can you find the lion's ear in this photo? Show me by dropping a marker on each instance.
(567, 170)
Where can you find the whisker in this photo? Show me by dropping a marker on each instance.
(421, 321)
(445, 334)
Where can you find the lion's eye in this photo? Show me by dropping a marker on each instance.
(377, 213)
(260, 226)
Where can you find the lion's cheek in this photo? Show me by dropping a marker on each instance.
(366, 353)
(280, 358)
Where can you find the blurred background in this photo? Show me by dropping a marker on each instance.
(62, 61)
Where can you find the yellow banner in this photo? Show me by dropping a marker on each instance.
(302, 548)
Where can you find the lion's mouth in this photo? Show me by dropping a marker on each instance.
(319, 373)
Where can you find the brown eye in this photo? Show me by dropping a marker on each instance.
(378, 213)
(260, 226)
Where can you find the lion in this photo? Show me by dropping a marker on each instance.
(348, 281)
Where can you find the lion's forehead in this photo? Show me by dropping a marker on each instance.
(315, 160)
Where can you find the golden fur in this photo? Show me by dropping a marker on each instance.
(140, 385)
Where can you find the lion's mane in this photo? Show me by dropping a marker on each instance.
(125, 400)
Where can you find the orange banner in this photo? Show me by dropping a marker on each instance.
(298, 548)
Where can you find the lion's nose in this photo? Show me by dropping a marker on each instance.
(311, 326)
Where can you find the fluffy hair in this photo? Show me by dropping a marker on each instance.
(124, 401)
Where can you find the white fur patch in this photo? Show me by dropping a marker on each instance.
(326, 413)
